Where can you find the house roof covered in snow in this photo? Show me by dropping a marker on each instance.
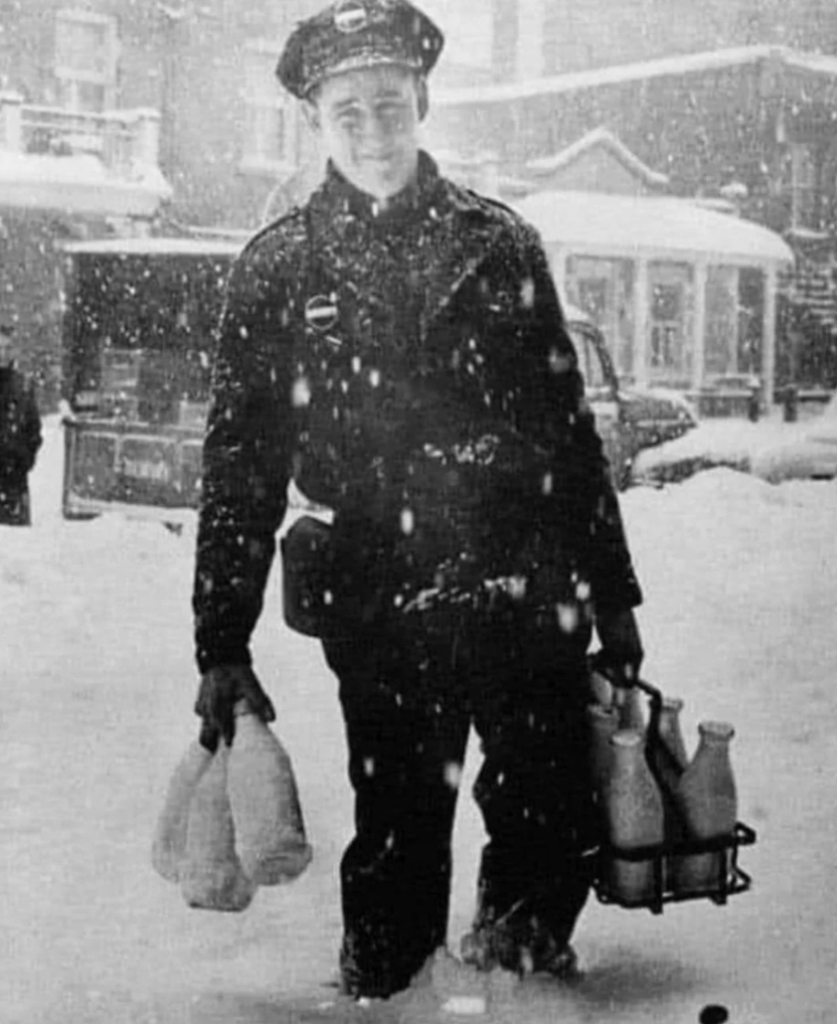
(815, 63)
(154, 247)
(661, 67)
(660, 227)
(682, 64)
(79, 184)
(599, 138)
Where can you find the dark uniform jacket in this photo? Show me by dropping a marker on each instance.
(410, 369)
(20, 439)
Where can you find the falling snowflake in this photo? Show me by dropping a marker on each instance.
(408, 521)
(453, 775)
(567, 617)
(301, 393)
(527, 293)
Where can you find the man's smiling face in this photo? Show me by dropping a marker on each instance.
(368, 120)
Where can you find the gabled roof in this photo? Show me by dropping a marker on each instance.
(599, 138)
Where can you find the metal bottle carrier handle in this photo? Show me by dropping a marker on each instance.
(732, 879)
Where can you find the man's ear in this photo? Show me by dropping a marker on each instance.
(311, 113)
(423, 97)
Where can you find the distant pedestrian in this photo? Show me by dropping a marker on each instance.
(20, 435)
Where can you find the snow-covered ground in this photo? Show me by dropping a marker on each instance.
(96, 692)
(727, 442)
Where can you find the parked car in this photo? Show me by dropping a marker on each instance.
(629, 418)
(810, 455)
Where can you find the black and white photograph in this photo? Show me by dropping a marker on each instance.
(418, 491)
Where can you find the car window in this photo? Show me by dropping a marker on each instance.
(588, 357)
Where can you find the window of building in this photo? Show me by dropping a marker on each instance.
(604, 289)
(504, 39)
(270, 118)
(469, 33)
(722, 321)
(671, 327)
(85, 60)
(554, 38)
(568, 34)
(801, 180)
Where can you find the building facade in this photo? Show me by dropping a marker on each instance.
(750, 129)
(165, 116)
(543, 38)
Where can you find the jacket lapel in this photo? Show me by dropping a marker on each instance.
(459, 239)
(456, 237)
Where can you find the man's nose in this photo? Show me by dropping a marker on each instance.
(377, 128)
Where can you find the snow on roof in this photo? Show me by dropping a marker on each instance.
(80, 183)
(598, 137)
(155, 247)
(817, 63)
(655, 226)
(682, 64)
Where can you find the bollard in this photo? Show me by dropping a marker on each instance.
(754, 405)
(790, 402)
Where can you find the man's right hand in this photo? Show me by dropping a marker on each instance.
(220, 689)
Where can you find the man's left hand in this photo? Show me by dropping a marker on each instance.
(220, 689)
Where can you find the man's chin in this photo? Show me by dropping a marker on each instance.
(383, 187)
(381, 181)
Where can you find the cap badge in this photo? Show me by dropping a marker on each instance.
(350, 16)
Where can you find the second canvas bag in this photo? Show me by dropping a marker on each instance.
(269, 830)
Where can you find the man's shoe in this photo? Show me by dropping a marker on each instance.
(528, 952)
(383, 981)
(476, 950)
(560, 963)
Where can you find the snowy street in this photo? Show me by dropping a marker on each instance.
(98, 682)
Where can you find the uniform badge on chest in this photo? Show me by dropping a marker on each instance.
(321, 315)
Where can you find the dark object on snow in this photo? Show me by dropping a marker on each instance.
(20, 439)
(352, 34)
(713, 1013)
(790, 403)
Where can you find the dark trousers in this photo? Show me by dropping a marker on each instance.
(409, 694)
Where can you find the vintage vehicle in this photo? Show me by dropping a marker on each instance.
(138, 335)
(629, 418)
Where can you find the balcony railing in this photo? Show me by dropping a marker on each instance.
(121, 139)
